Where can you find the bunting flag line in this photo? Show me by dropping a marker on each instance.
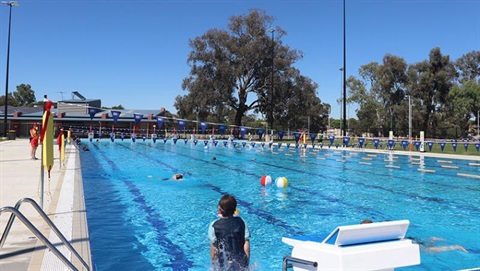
(404, 144)
(92, 111)
(454, 145)
(160, 122)
(346, 141)
(138, 118)
(391, 144)
(222, 128)
(243, 130)
(312, 138)
(331, 139)
(181, 125)
(297, 136)
(203, 126)
(361, 140)
(376, 141)
(430, 145)
(442, 145)
(115, 116)
(260, 133)
(417, 145)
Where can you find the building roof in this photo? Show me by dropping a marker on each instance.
(35, 113)
(23, 109)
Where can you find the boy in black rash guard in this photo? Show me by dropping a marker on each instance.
(229, 238)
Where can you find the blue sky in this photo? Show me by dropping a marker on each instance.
(134, 53)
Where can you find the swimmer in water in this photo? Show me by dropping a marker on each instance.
(430, 245)
(175, 177)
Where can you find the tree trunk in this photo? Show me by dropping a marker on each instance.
(239, 115)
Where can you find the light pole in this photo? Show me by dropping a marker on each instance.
(409, 117)
(342, 124)
(271, 99)
(341, 97)
(5, 113)
(348, 120)
(478, 124)
(329, 112)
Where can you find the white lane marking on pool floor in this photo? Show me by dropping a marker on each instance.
(63, 219)
(469, 175)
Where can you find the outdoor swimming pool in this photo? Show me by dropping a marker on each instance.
(137, 221)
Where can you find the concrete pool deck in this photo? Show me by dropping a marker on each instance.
(63, 202)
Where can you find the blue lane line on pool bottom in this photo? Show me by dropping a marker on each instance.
(411, 195)
(379, 216)
(249, 206)
(374, 213)
(244, 204)
(179, 262)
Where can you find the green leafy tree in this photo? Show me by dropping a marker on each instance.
(380, 93)
(430, 82)
(231, 71)
(465, 104)
(25, 95)
(296, 104)
(120, 107)
(467, 94)
(11, 100)
(468, 67)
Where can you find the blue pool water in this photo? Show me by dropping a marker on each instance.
(138, 221)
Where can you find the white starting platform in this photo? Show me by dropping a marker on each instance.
(373, 246)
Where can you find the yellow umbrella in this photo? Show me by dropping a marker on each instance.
(47, 138)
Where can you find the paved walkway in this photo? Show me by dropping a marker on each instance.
(21, 177)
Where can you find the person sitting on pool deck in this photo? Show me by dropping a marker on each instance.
(430, 245)
(229, 238)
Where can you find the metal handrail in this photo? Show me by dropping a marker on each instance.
(16, 213)
(287, 265)
(38, 234)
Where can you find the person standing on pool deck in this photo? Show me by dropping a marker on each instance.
(34, 137)
(229, 238)
(59, 142)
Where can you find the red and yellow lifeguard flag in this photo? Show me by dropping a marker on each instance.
(46, 137)
(62, 149)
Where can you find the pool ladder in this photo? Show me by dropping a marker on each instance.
(15, 212)
(289, 260)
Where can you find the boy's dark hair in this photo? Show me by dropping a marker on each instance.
(227, 205)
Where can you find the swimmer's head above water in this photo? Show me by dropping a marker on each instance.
(177, 176)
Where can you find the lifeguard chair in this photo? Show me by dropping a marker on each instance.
(374, 246)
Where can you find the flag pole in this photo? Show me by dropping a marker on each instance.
(42, 170)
